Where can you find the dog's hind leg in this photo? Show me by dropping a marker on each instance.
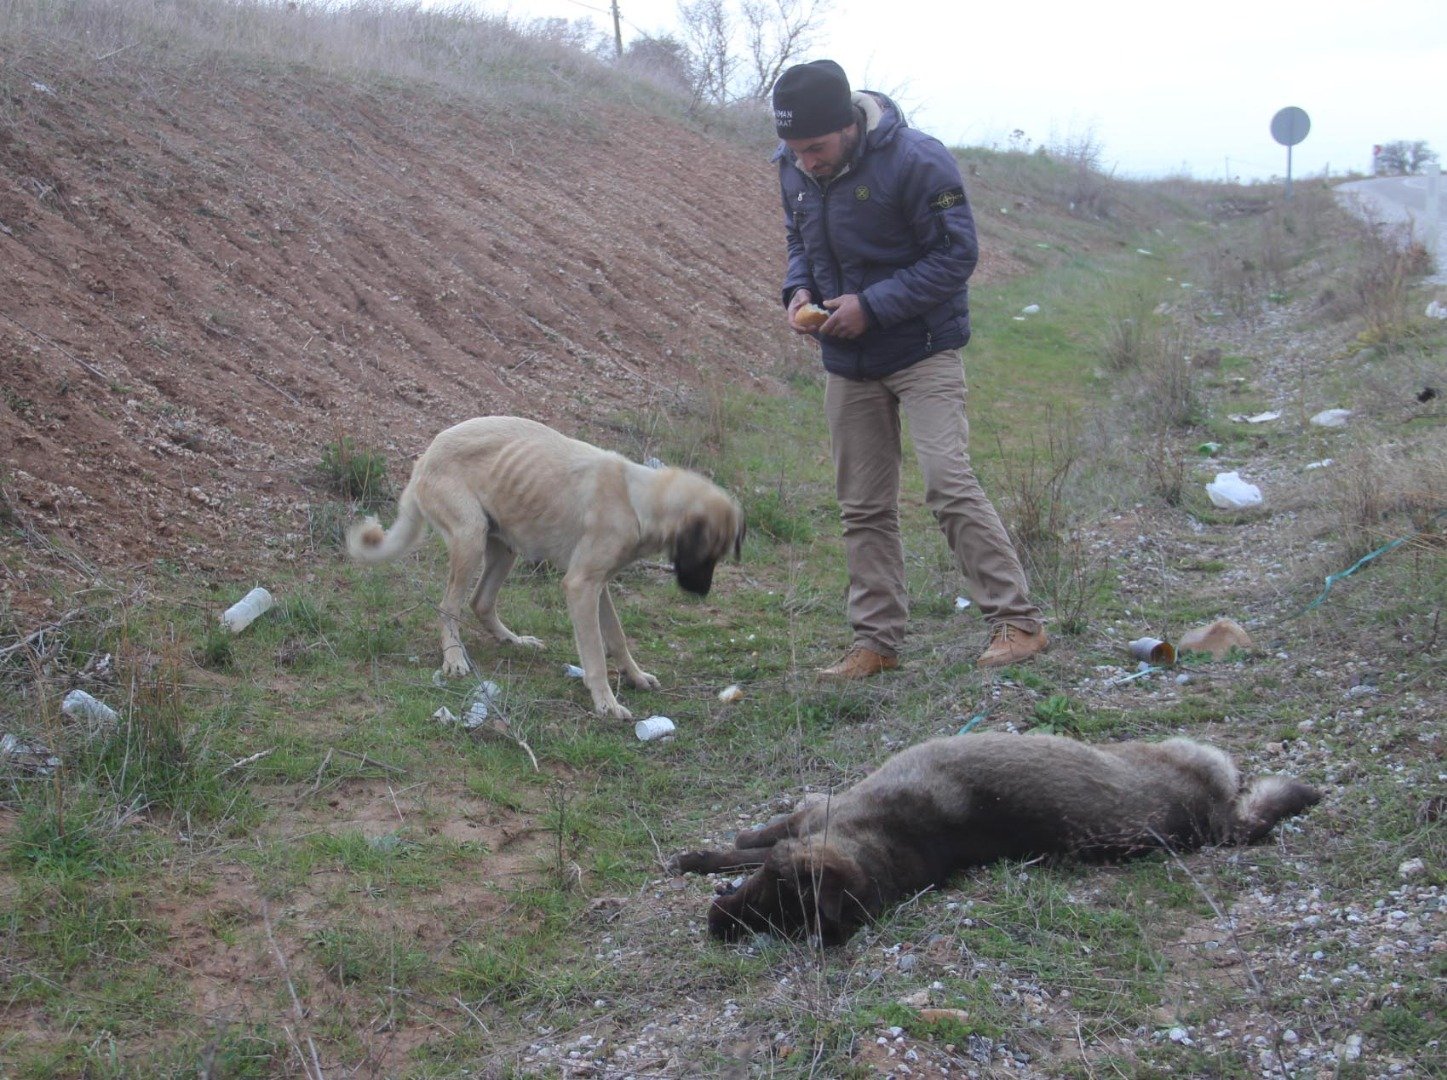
(617, 644)
(584, 590)
(496, 565)
(466, 553)
(1268, 800)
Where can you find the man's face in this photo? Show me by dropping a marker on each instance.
(824, 156)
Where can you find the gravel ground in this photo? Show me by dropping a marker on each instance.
(1295, 959)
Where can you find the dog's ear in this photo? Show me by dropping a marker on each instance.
(694, 558)
(832, 893)
(751, 908)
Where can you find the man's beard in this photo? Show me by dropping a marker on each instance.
(847, 146)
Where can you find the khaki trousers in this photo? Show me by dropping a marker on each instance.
(864, 433)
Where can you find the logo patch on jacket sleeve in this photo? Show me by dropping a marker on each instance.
(948, 198)
(861, 192)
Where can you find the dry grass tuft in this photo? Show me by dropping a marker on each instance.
(509, 61)
(1383, 494)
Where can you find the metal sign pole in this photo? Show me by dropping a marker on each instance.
(1288, 127)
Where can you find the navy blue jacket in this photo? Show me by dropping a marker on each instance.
(895, 228)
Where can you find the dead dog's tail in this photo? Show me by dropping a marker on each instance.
(1266, 801)
(368, 542)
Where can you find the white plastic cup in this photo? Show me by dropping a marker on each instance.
(655, 727)
(82, 706)
(240, 615)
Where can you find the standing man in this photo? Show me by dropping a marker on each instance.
(880, 232)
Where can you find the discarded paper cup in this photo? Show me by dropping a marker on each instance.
(1153, 651)
(239, 615)
(655, 727)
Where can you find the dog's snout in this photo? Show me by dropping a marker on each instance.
(696, 578)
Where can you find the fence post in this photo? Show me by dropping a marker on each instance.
(1433, 221)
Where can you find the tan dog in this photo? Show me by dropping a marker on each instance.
(500, 487)
(946, 804)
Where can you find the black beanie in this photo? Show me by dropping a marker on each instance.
(812, 99)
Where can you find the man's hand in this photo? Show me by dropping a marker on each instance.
(801, 298)
(848, 319)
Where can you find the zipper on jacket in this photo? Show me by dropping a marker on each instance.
(824, 223)
(824, 190)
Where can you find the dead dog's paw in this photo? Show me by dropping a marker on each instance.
(689, 862)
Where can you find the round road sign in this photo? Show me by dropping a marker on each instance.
(1290, 125)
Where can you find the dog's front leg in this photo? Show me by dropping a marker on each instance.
(717, 862)
(584, 592)
(617, 643)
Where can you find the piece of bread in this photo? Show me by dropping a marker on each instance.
(811, 316)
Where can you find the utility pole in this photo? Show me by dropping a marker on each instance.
(617, 30)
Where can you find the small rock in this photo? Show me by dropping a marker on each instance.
(1332, 418)
(1217, 638)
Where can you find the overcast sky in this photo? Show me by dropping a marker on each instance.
(1163, 88)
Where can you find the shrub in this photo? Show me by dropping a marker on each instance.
(1128, 334)
(356, 473)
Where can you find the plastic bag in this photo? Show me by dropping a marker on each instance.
(1230, 492)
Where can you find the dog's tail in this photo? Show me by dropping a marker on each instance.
(1268, 800)
(368, 542)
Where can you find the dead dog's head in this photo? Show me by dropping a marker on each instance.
(713, 526)
(804, 888)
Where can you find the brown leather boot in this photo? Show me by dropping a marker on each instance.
(859, 663)
(1011, 645)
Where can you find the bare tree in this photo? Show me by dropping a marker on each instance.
(707, 29)
(1403, 157)
(738, 55)
(777, 32)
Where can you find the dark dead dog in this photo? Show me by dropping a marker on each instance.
(500, 487)
(946, 804)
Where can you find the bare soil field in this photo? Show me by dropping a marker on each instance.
(211, 275)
